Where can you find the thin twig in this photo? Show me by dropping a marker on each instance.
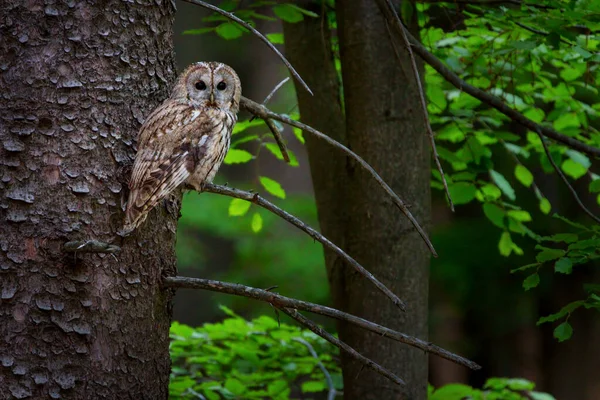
(343, 346)
(492, 100)
(257, 33)
(278, 138)
(90, 246)
(272, 127)
(281, 301)
(275, 89)
(332, 392)
(258, 200)
(265, 113)
(565, 180)
(388, 9)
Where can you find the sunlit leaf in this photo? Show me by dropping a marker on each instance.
(272, 187)
(257, 223)
(523, 175)
(238, 207)
(237, 156)
(230, 30)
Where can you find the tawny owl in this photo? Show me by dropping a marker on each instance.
(184, 141)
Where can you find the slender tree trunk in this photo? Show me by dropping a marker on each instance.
(383, 123)
(76, 80)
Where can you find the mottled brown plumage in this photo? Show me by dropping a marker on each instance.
(185, 139)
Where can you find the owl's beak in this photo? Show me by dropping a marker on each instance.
(212, 97)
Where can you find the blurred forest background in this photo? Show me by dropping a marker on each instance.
(478, 308)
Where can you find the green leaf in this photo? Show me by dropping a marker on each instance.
(230, 30)
(523, 175)
(257, 223)
(524, 268)
(595, 186)
(579, 158)
(462, 192)
(535, 114)
(276, 151)
(237, 156)
(545, 205)
(452, 391)
(505, 244)
(313, 386)
(490, 191)
(298, 134)
(495, 214)
(531, 281)
(566, 120)
(564, 265)
(235, 386)
(519, 215)
(288, 13)
(275, 38)
(563, 332)
(198, 31)
(277, 387)
(238, 207)
(272, 187)
(549, 255)
(573, 169)
(503, 184)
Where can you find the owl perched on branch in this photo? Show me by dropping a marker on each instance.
(184, 141)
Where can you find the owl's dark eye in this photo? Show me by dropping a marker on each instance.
(200, 85)
(221, 85)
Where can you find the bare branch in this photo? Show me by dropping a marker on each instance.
(343, 346)
(264, 113)
(332, 392)
(90, 246)
(275, 89)
(257, 33)
(491, 100)
(388, 10)
(258, 200)
(565, 180)
(279, 301)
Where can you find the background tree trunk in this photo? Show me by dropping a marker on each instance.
(384, 124)
(77, 79)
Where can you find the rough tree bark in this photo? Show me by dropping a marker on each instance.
(77, 79)
(383, 123)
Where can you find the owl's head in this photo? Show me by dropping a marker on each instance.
(209, 84)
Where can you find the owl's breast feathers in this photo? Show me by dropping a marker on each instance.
(177, 143)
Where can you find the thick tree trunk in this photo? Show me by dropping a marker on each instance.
(77, 79)
(383, 124)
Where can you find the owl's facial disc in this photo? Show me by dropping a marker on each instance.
(211, 84)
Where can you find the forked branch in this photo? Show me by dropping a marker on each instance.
(281, 302)
(302, 320)
(260, 201)
(264, 113)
